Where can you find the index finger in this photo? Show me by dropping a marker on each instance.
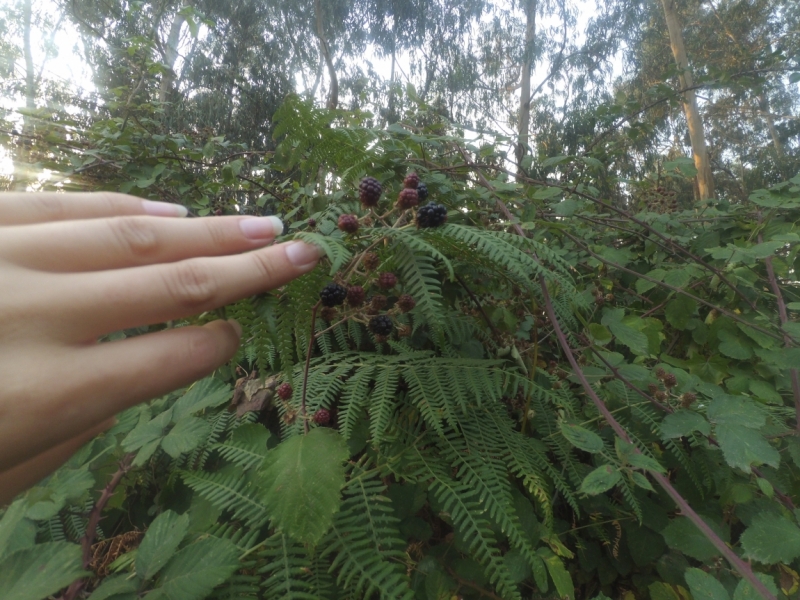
(23, 208)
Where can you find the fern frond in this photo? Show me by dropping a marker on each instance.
(287, 570)
(229, 489)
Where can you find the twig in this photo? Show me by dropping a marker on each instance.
(308, 362)
(94, 519)
(478, 304)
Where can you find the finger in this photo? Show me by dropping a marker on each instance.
(102, 244)
(87, 385)
(27, 474)
(94, 304)
(20, 208)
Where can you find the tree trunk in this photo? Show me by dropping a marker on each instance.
(705, 181)
(333, 93)
(22, 157)
(170, 58)
(525, 87)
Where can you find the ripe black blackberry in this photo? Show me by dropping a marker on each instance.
(408, 198)
(348, 223)
(371, 261)
(285, 391)
(333, 294)
(355, 295)
(387, 281)
(405, 303)
(422, 191)
(411, 180)
(431, 215)
(322, 417)
(369, 191)
(381, 325)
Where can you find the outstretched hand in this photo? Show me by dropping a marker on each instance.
(74, 267)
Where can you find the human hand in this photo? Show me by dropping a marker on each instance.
(74, 267)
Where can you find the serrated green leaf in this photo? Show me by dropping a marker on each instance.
(8, 524)
(642, 481)
(581, 438)
(679, 311)
(703, 586)
(642, 461)
(115, 585)
(560, 576)
(197, 569)
(681, 534)
(305, 471)
(39, 571)
(682, 423)
(599, 333)
(765, 392)
(745, 591)
(206, 393)
(771, 539)
(146, 433)
(160, 542)
(603, 478)
(187, 435)
(678, 277)
(743, 447)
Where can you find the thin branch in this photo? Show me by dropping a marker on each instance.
(478, 304)
(308, 362)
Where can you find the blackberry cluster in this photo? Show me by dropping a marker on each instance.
(387, 281)
(406, 303)
(371, 261)
(408, 198)
(322, 417)
(348, 223)
(355, 295)
(431, 215)
(285, 391)
(411, 180)
(333, 294)
(369, 191)
(422, 191)
(381, 325)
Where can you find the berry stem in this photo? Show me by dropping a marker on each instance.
(311, 339)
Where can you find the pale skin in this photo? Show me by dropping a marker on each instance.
(75, 267)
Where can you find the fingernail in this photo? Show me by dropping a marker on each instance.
(236, 327)
(302, 255)
(261, 228)
(164, 209)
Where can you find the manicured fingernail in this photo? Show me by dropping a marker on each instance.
(164, 209)
(302, 255)
(236, 327)
(261, 228)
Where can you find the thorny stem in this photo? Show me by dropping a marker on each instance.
(94, 519)
(784, 317)
(311, 339)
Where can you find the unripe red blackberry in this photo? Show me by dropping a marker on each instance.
(369, 191)
(387, 281)
(406, 303)
(333, 294)
(660, 373)
(609, 298)
(670, 381)
(381, 325)
(371, 261)
(355, 295)
(312, 223)
(322, 417)
(408, 198)
(284, 391)
(660, 396)
(652, 388)
(328, 313)
(348, 223)
(403, 331)
(378, 302)
(411, 180)
(687, 399)
(599, 300)
(422, 191)
(218, 212)
(431, 215)
(556, 385)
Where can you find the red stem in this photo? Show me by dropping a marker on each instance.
(311, 338)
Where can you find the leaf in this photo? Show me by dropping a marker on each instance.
(206, 393)
(146, 433)
(560, 576)
(765, 391)
(8, 524)
(642, 461)
(678, 278)
(600, 480)
(771, 539)
(683, 422)
(679, 311)
(600, 333)
(160, 542)
(303, 477)
(745, 591)
(681, 534)
(743, 447)
(187, 435)
(733, 346)
(114, 585)
(581, 438)
(625, 334)
(196, 570)
(39, 571)
(703, 586)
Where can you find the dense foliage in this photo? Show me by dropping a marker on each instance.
(562, 376)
